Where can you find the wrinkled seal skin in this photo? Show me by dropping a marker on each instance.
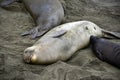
(62, 42)
(106, 51)
(46, 13)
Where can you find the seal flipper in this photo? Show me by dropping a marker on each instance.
(38, 33)
(7, 2)
(25, 33)
(35, 32)
(59, 33)
(110, 34)
(29, 32)
(100, 55)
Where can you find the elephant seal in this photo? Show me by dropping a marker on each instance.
(46, 13)
(106, 51)
(63, 41)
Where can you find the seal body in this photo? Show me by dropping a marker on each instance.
(61, 42)
(46, 13)
(106, 51)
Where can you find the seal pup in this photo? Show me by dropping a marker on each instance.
(106, 51)
(63, 41)
(46, 13)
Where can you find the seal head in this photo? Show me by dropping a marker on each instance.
(28, 55)
(106, 51)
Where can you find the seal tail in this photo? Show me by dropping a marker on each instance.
(110, 34)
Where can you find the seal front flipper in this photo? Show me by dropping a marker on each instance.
(35, 32)
(25, 33)
(4, 3)
(29, 32)
(59, 33)
(38, 33)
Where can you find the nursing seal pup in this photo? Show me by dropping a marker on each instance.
(46, 13)
(63, 41)
(106, 51)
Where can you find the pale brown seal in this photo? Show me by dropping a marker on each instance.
(106, 51)
(63, 41)
(46, 13)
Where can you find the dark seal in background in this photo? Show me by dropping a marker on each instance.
(106, 51)
(46, 13)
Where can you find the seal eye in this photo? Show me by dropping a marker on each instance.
(86, 28)
(95, 28)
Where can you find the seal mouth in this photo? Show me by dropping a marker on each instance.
(28, 57)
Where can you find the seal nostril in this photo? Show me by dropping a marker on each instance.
(86, 28)
(31, 51)
(94, 28)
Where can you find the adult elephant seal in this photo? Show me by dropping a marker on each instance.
(46, 13)
(106, 51)
(62, 42)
